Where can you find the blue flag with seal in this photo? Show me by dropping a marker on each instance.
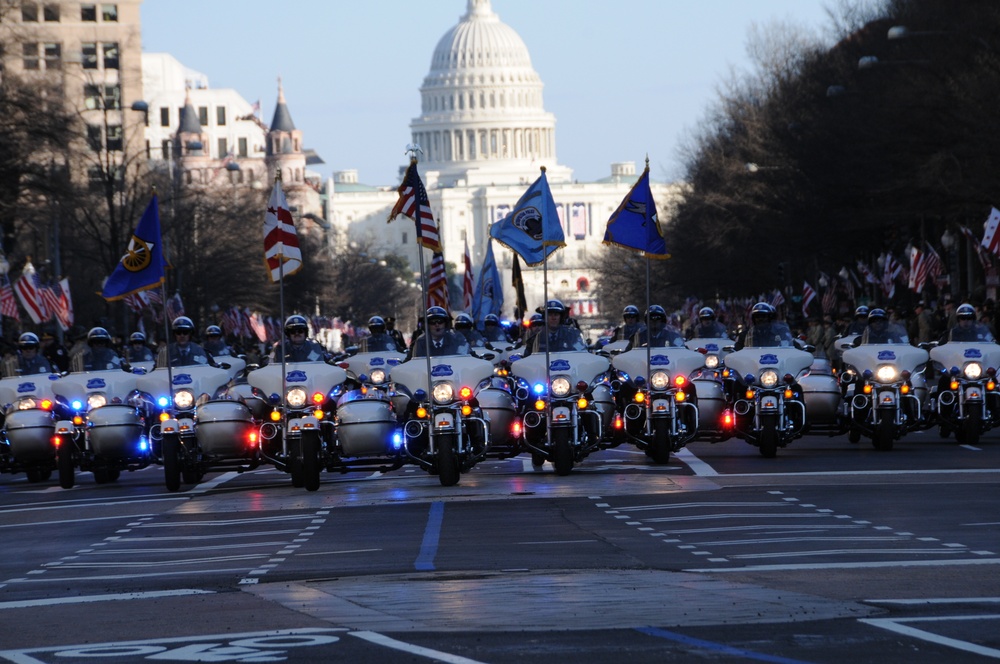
(532, 229)
(633, 225)
(488, 296)
(143, 266)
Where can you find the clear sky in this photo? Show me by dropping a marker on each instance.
(624, 78)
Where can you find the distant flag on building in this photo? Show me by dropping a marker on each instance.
(281, 244)
(634, 226)
(467, 280)
(532, 230)
(29, 290)
(413, 203)
(488, 297)
(808, 295)
(143, 266)
(991, 238)
(255, 108)
(8, 304)
(437, 284)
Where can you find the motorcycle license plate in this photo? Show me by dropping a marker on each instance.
(973, 394)
(561, 414)
(769, 402)
(444, 421)
(661, 406)
(886, 398)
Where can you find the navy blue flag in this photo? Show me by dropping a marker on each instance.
(488, 296)
(143, 266)
(633, 225)
(532, 229)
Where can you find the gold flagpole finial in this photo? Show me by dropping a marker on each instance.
(543, 169)
(277, 175)
(647, 160)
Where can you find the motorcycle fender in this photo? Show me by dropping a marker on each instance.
(886, 399)
(661, 406)
(65, 428)
(561, 415)
(973, 394)
(300, 424)
(444, 420)
(170, 426)
(769, 403)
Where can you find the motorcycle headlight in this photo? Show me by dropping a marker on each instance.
(377, 376)
(183, 399)
(973, 370)
(296, 397)
(768, 378)
(560, 387)
(886, 373)
(659, 380)
(26, 404)
(712, 361)
(443, 393)
(96, 401)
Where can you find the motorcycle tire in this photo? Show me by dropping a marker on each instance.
(295, 463)
(562, 451)
(171, 449)
(767, 442)
(64, 461)
(659, 446)
(537, 459)
(973, 424)
(447, 462)
(884, 434)
(310, 460)
(854, 435)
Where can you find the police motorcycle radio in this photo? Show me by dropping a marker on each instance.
(446, 430)
(883, 386)
(967, 400)
(714, 417)
(768, 410)
(298, 435)
(568, 405)
(662, 414)
(199, 424)
(27, 443)
(367, 434)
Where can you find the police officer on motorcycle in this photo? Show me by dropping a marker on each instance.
(966, 327)
(298, 347)
(214, 343)
(493, 331)
(657, 333)
(379, 340)
(556, 336)
(137, 350)
(465, 326)
(708, 326)
(880, 331)
(397, 336)
(764, 331)
(442, 341)
(182, 352)
(631, 326)
(29, 360)
(859, 323)
(99, 356)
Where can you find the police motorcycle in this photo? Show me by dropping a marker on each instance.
(768, 407)
(302, 401)
(200, 425)
(967, 401)
(715, 418)
(26, 438)
(102, 427)
(366, 435)
(566, 397)
(883, 383)
(446, 429)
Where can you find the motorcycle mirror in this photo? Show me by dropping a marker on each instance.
(225, 365)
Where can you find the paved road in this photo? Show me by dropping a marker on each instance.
(828, 552)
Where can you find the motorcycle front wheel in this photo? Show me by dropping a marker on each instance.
(171, 449)
(294, 466)
(973, 424)
(562, 451)
(310, 460)
(884, 434)
(64, 461)
(659, 446)
(768, 440)
(447, 462)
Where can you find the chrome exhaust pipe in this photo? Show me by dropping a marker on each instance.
(859, 402)
(413, 429)
(946, 398)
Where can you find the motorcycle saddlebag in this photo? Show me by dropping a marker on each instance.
(365, 428)
(222, 427)
(29, 433)
(114, 431)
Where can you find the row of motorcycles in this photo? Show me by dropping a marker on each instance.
(369, 410)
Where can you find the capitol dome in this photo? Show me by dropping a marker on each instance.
(482, 117)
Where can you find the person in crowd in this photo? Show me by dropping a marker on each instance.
(54, 352)
(397, 336)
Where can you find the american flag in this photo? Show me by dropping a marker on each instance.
(830, 298)
(777, 299)
(890, 271)
(933, 261)
(258, 325)
(918, 270)
(8, 305)
(29, 291)
(413, 197)
(467, 282)
(849, 282)
(174, 307)
(281, 244)
(808, 295)
(437, 285)
(57, 300)
(866, 273)
(981, 253)
(991, 236)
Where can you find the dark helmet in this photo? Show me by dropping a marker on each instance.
(877, 315)
(376, 325)
(182, 324)
(437, 313)
(536, 320)
(861, 312)
(630, 310)
(28, 341)
(965, 312)
(137, 338)
(213, 331)
(762, 312)
(463, 321)
(706, 313)
(556, 305)
(296, 323)
(491, 319)
(98, 335)
(656, 312)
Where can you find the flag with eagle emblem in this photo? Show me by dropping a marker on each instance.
(143, 266)
(633, 225)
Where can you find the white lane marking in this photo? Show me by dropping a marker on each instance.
(937, 600)
(227, 546)
(226, 522)
(697, 466)
(211, 484)
(90, 502)
(437, 655)
(195, 538)
(337, 553)
(868, 565)
(970, 447)
(678, 506)
(116, 597)
(584, 541)
(131, 575)
(159, 563)
(895, 625)
(848, 473)
(62, 521)
(840, 552)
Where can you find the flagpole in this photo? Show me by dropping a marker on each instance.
(413, 149)
(280, 255)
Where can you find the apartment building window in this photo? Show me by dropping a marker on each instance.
(115, 142)
(164, 116)
(91, 97)
(53, 56)
(109, 13)
(203, 115)
(223, 147)
(220, 116)
(50, 12)
(29, 12)
(30, 55)
(113, 97)
(165, 148)
(88, 51)
(242, 147)
(110, 55)
(94, 137)
(88, 13)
